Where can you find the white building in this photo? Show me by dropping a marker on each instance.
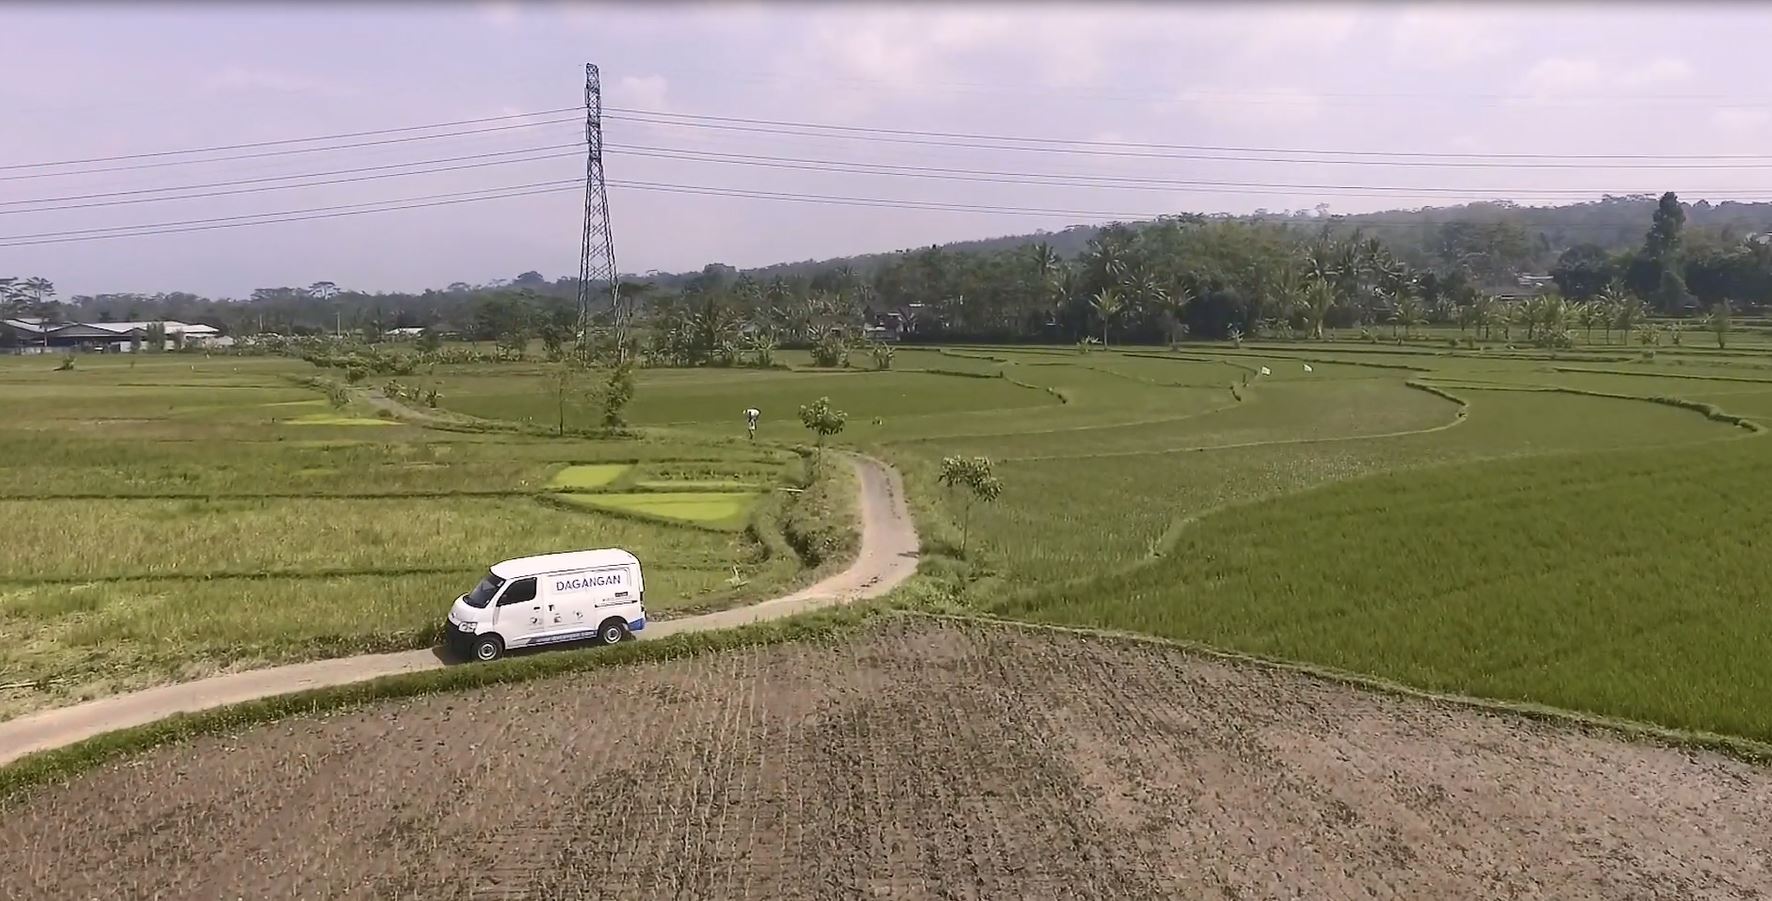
(37, 336)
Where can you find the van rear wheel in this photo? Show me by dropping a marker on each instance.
(613, 632)
(488, 647)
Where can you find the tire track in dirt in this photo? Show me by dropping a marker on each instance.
(887, 557)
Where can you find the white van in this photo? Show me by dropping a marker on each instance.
(550, 599)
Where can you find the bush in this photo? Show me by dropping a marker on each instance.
(820, 523)
(831, 351)
(882, 356)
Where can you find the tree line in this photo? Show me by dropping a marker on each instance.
(1146, 282)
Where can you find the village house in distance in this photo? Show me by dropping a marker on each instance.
(35, 336)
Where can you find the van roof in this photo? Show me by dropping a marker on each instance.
(519, 567)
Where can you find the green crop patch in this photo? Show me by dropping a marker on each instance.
(332, 419)
(587, 475)
(709, 509)
(1607, 583)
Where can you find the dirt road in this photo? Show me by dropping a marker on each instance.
(887, 557)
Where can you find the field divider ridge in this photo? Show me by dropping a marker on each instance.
(56, 743)
(1745, 749)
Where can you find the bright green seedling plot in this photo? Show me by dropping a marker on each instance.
(587, 475)
(330, 419)
(664, 485)
(708, 509)
(169, 525)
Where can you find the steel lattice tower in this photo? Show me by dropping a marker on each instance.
(596, 262)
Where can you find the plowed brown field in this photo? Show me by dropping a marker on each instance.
(917, 760)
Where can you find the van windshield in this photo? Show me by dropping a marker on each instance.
(483, 592)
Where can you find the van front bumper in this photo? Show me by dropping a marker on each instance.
(454, 637)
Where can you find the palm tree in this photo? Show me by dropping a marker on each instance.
(1108, 305)
(1612, 298)
(1410, 313)
(1173, 306)
(1287, 291)
(1588, 314)
(1319, 301)
(1629, 315)
(1045, 262)
(1144, 292)
(1718, 323)
(11, 296)
(1553, 317)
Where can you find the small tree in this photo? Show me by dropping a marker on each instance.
(976, 476)
(882, 355)
(617, 393)
(565, 380)
(553, 340)
(761, 344)
(823, 419)
(1718, 323)
(1108, 305)
(429, 341)
(831, 350)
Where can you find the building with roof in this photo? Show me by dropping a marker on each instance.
(28, 335)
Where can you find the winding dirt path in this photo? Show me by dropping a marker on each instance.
(887, 557)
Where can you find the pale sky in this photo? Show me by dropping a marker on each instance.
(83, 81)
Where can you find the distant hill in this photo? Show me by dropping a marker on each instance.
(1415, 235)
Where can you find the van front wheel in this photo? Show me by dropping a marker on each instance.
(488, 647)
(613, 632)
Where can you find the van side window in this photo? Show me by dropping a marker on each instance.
(521, 591)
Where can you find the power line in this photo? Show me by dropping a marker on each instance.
(1044, 179)
(1200, 147)
(253, 144)
(326, 212)
(262, 188)
(288, 152)
(1713, 101)
(562, 186)
(1069, 179)
(329, 212)
(889, 137)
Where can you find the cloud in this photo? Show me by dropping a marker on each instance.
(1445, 38)
(500, 13)
(1564, 76)
(1259, 31)
(1283, 105)
(1665, 70)
(1740, 118)
(646, 92)
(252, 79)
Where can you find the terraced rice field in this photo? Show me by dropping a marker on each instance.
(910, 760)
(1505, 523)
(175, 516)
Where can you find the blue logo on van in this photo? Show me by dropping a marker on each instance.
(596, 581)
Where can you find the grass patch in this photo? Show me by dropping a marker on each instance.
(820, 522)
(1611, 583)
(707, 509)
(335, 419)
(587, 475)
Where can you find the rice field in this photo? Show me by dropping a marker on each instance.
(1509, 523)
(175, 516)
(1524, 529)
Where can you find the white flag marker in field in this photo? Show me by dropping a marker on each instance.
(1307, 368)
(1266, 371)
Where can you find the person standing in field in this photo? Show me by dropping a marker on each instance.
(750, 421)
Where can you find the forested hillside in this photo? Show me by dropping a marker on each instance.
(1211, 275)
